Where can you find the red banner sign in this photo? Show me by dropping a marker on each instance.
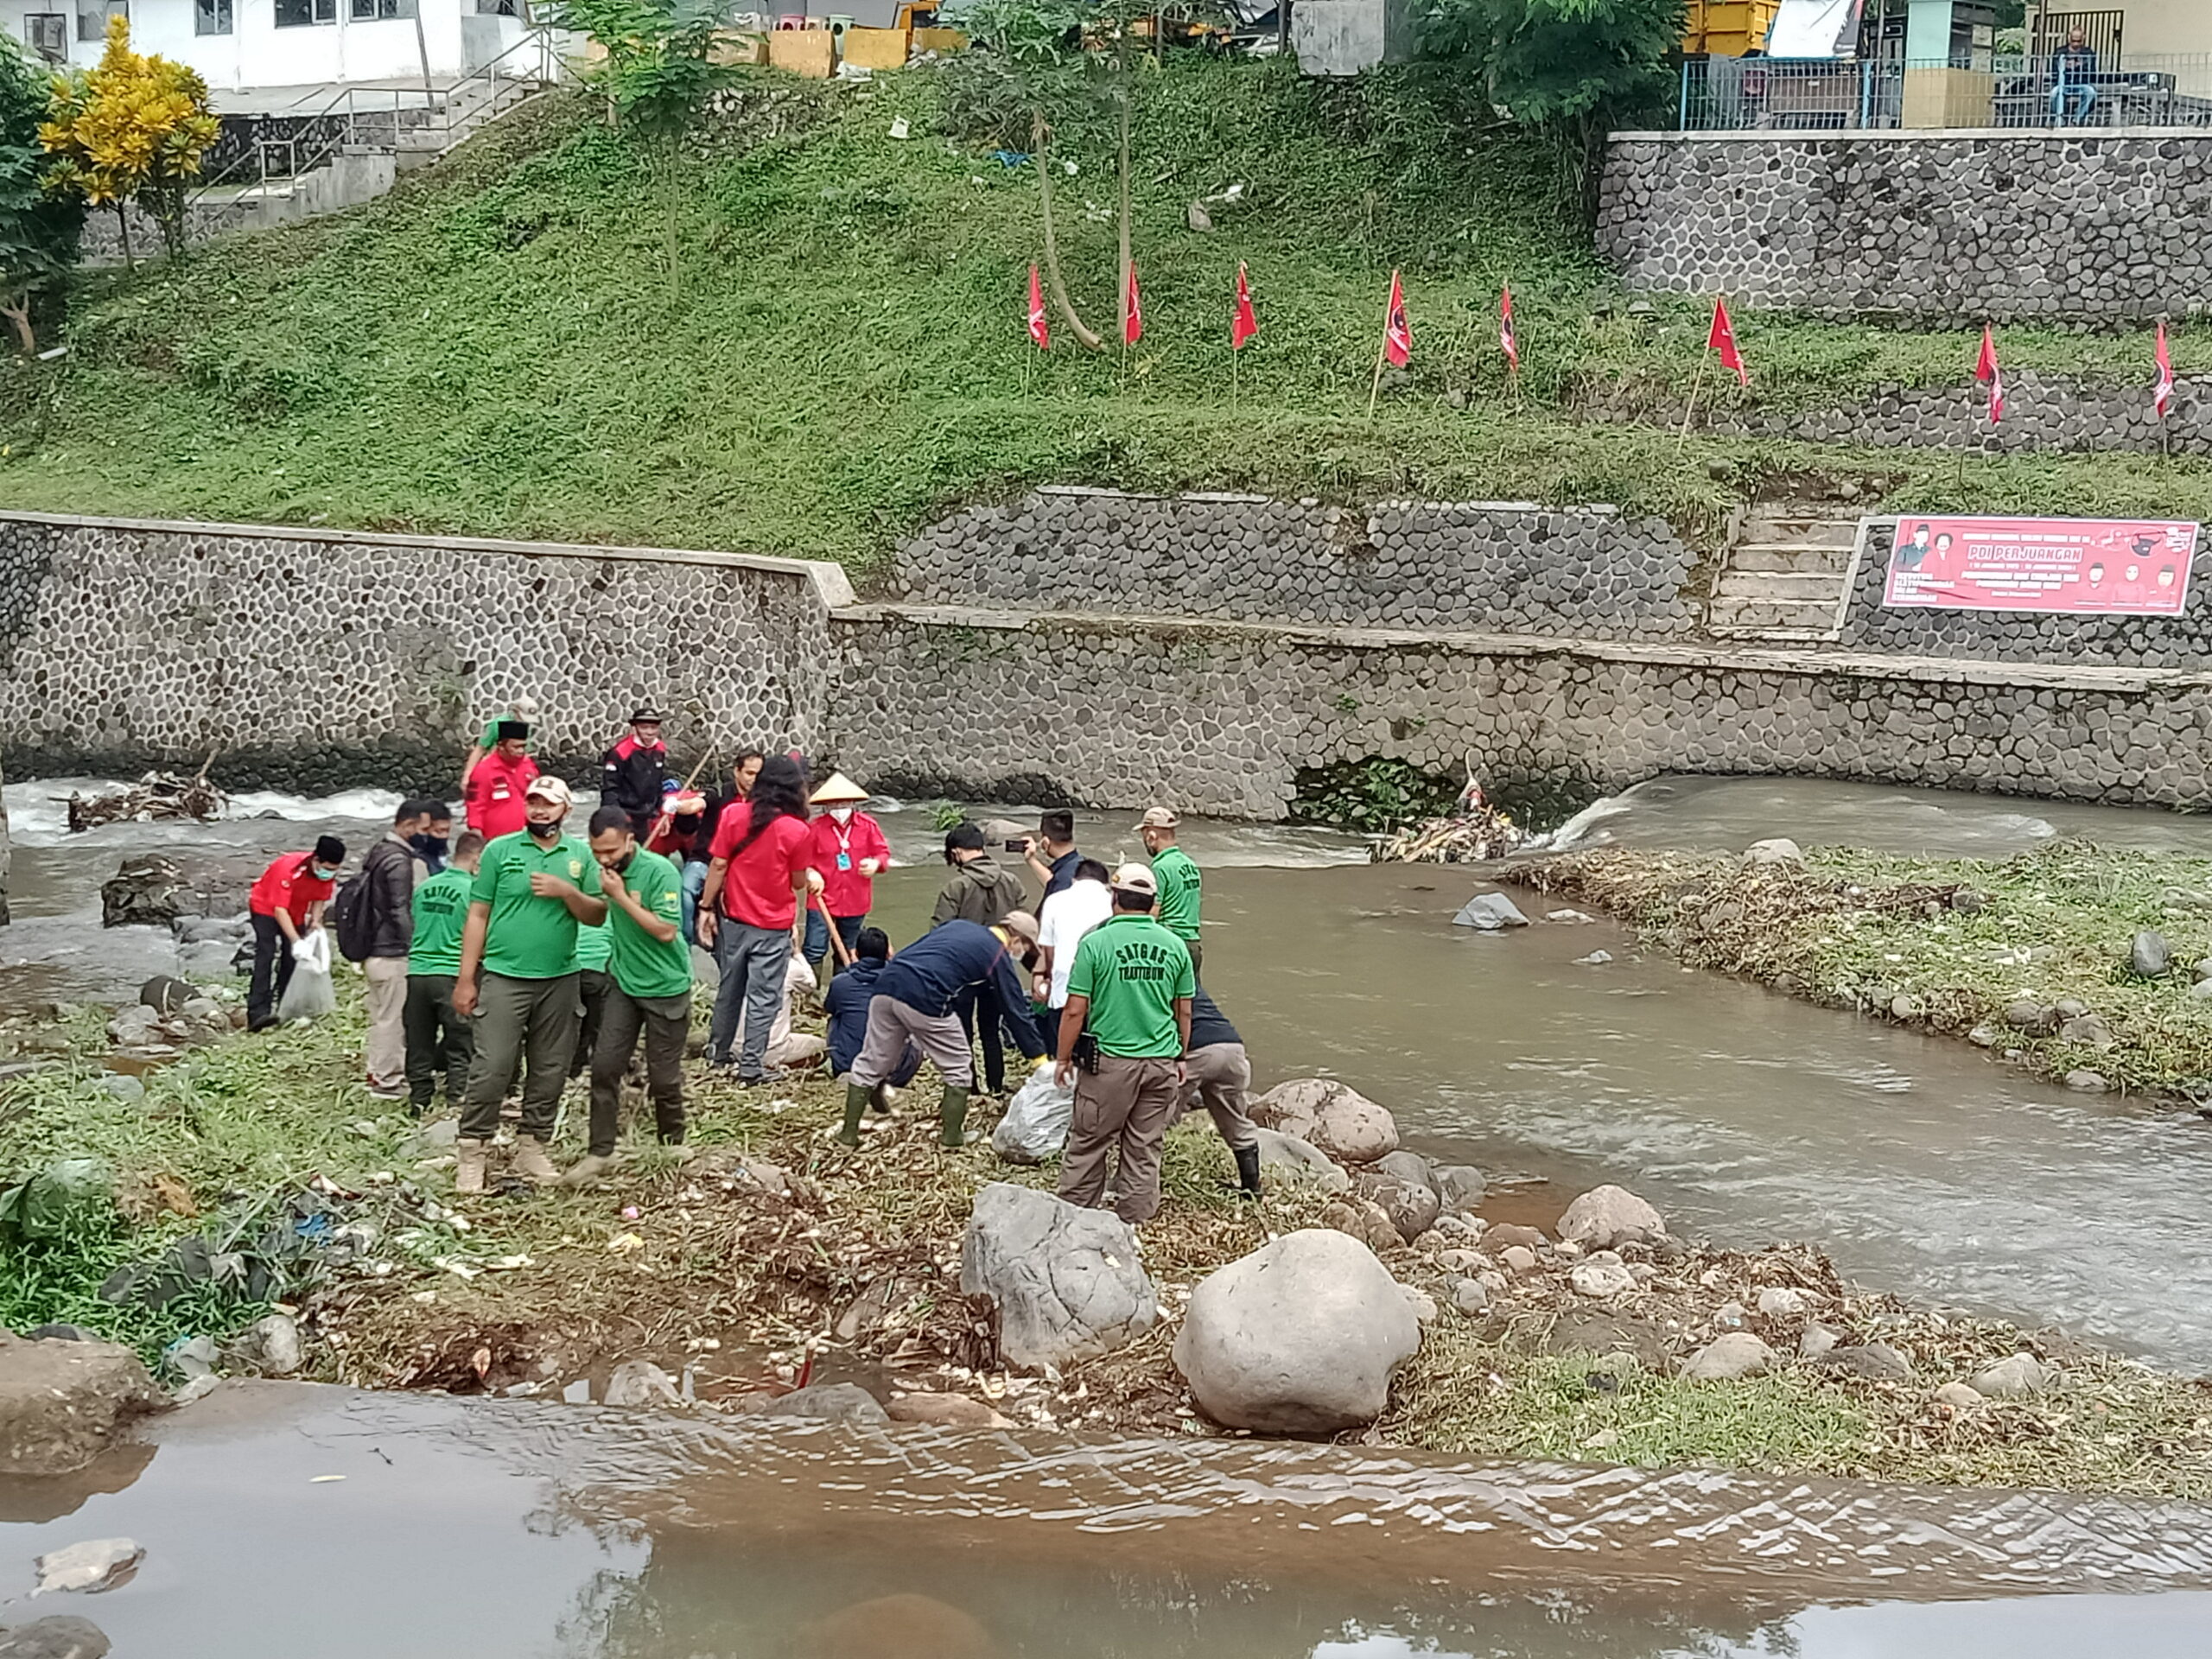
(2079, 566)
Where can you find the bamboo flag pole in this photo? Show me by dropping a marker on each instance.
(1690, 409)
(1382, 347)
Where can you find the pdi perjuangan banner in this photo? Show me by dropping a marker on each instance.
(2123, 567)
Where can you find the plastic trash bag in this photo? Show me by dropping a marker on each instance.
(310, 994)
(42, 1206)
(1037, 1121)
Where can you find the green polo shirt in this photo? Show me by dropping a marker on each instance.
(1178, 880)
(1132, 969)
(530, 937)
(441, 908)
(594, 945)
(644, 967)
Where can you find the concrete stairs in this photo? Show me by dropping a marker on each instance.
(1784, 578)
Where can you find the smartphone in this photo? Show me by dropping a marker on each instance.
(1017, 846)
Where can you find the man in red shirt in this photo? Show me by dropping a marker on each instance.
(748, 914)
(499, 782)
(849, 852)
(286, 905)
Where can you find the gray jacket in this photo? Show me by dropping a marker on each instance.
(978, 890)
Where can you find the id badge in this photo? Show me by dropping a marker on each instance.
(844, 860)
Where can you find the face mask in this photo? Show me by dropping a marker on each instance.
(546, 831)
(429, 845)
(841, 814)
(321, 875)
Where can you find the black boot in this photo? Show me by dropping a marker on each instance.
(1248, 1169)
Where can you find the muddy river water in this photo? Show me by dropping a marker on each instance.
(497, 1528)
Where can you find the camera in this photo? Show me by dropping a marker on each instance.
(1017, 846)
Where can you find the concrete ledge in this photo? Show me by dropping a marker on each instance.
(1908, 135)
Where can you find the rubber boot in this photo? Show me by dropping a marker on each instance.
(856, 1098)
(1248, 1169)
(883, 1098)
(952, 1116)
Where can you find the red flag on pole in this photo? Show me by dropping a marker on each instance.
(1132, 310)
(1243, 325)
(2165, 398)
(1987, 372)
(1721, 338)
(1505, 334)
(1039, 330)
(1397, 333)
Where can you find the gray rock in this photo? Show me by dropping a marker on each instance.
(1782, 1302)
(1327, 1114)
(2088, 1081)
(1469, 1296)
(1068, 1282)
(1606, 1216)
(832, 1403)
(275, 1343)
(2202, 971)
(1733, 1355)
(61, 1403)
(1460, 1187)
(1958, 1396)
(639, 1383)
(1413, 1210)
(1361, 1218)
(136, 1026)
(1875, 1361)
(2148, 953)
(1301, 1337)
(122, 1085)
(1490, 911)
(1517, 1258)
(1302, 1161)
(1778, 850)
(1409, 1168)
(1601, 1281)
(97, 1564)
(2088, 1029)
(2026, 1013)
(2016, 1377)
(1595, 959)
(58, 1637)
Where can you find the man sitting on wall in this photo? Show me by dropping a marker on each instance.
(2073, 80)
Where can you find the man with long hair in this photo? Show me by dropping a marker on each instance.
(759, 874)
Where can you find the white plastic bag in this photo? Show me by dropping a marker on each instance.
(309, 994)
(1037, 1121)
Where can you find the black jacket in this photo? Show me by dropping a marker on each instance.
(389, 868)
(979, 891)
(635, 775)
(931, 974)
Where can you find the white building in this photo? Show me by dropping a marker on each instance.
(246, 45)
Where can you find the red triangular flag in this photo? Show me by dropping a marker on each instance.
(2164, 397)
(1039, 330)
(1132, 310)
(1397, 333)
(1243, 324)
(1986, 372)
(1721, 338)
(1505, 334)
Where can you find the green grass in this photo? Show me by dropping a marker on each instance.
(495, 348)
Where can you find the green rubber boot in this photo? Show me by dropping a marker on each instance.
(855, 1109)
(952, 1114)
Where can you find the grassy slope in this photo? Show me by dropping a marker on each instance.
(495, 348)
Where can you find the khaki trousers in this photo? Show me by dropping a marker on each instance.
(385, 1049)
(1221, 1075)
(1125, 1106)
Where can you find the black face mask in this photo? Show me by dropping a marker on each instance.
(429, 846)
(545, 831)
(628, 860)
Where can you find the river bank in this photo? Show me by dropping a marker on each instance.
(772, 1257)
(2078, 963)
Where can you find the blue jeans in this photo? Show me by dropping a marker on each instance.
(2082, 96)
(817, 936)
(695, 883)
(753, 961)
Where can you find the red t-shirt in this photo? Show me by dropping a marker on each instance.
(288, 885)
(495, 795)
(847, 892)
(757, 886)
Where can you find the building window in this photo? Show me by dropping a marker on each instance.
(92, 16)
(373, 11)
(300, 14)
(211, 17)
(47, 35)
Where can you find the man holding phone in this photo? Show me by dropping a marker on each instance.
(1052, 852)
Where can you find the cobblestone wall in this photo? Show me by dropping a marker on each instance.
(1220, 719)
(1957, 228)
(308, 660)
(1506, 568)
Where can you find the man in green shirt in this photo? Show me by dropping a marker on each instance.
(1131, 988)
(1178, 879)
(437, 1038)
(518, 978)
(594, 948)
(648, 992)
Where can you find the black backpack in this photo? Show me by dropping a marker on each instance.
(350, 918)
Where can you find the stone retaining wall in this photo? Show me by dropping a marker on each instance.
(311, 659)
(1956, 228)
(1585, 571)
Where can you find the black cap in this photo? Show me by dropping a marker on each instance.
(507, 728)
(640, 716)
(329, 849)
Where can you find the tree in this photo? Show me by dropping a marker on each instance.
(133, 128)
(38, 229)
(657, 77)
(1575, 68)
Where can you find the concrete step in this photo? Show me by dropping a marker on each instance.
(1766, 526)
(1725, 612)
(1804, 556)
(1775, 636)
(1807, 586)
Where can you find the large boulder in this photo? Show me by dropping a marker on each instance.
(1302, 1161)
(1606, 1216)
(62, 1402)
(1301, 1337)
(1410, 1168)
(1412, 1209)
(1341, 1122)
(1067, 1281)
(143, 892)
(58, 1636)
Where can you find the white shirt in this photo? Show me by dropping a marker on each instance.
(1069, 914)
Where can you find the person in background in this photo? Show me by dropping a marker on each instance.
(438, 1039)
(517, 980)
(1068, 915)
(524, 710)
(744, 773)
(976, 890)
(649, 990)
(286, 905)
(593, 949)
(748, 911)
(850, 851)
(917, 995)
(1052, 852)
(679, 835)
(1219, 1078)
(1130, 991)
(845, 1002)
(2074, 80)
(498, 783)
(637, 771)
(389, 871)
(431, 841)
(1176, 877)
(788, 1049)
